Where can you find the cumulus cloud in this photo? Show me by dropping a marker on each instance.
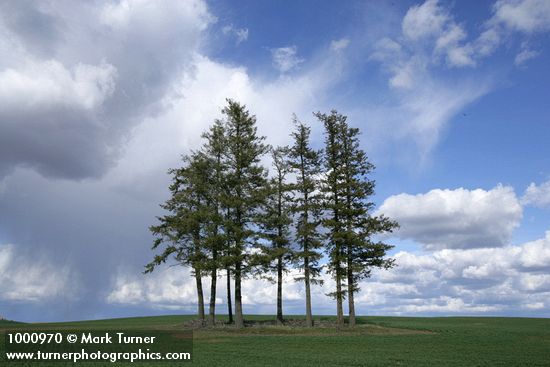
(471, 281)
(168, 288)
(446, 282)
(535, 255)
(286, 58)
(174, 288)
(432, 24)
(537, 195)
(458, 218)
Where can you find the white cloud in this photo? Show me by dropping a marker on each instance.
(424, 20)
(522, 15)
(460, 56)
(430, 39)
(536, 254)
(163, 289)
(525, 55)
(240, 34)
(286, 58)
(386, 49)
(447, 282)
(341, 44)
(431, 106)
(510, 16)
(404, 75)
(174, 287)
(456, 218)
(157, 18)
(432, 24)
(470, 281)
(199, 97)
(431, 28)
(537, 195)
(39, 85)
(447, 305)
(487, 42)
(452, 36)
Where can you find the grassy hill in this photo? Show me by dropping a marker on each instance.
(377, 341)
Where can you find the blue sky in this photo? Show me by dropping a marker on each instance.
(99, 99)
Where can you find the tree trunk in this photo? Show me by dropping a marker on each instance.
(280, 290)
(239, 320)
(229, 307)
(200, 297)
(339, 306)
(213, 283)
(351, 291)
(309, 316)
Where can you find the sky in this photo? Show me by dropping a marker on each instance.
(98, 99)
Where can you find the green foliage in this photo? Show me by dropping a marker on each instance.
(246, 181)
(182, 231)
(275, 218)
(306, 165)
(212, 152)
(332, 188)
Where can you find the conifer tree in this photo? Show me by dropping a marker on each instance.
(362, 254)
(213, 153)
(182, 231)
(246, 179)
(334, 205)
(305, 163)
(276, 220)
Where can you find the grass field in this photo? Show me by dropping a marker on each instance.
(377, 341)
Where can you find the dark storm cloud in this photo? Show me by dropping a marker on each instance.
(58, 143)
(76, 77)
(32, 25)
(81, 232)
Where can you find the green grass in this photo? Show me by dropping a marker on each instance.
(377, 341)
